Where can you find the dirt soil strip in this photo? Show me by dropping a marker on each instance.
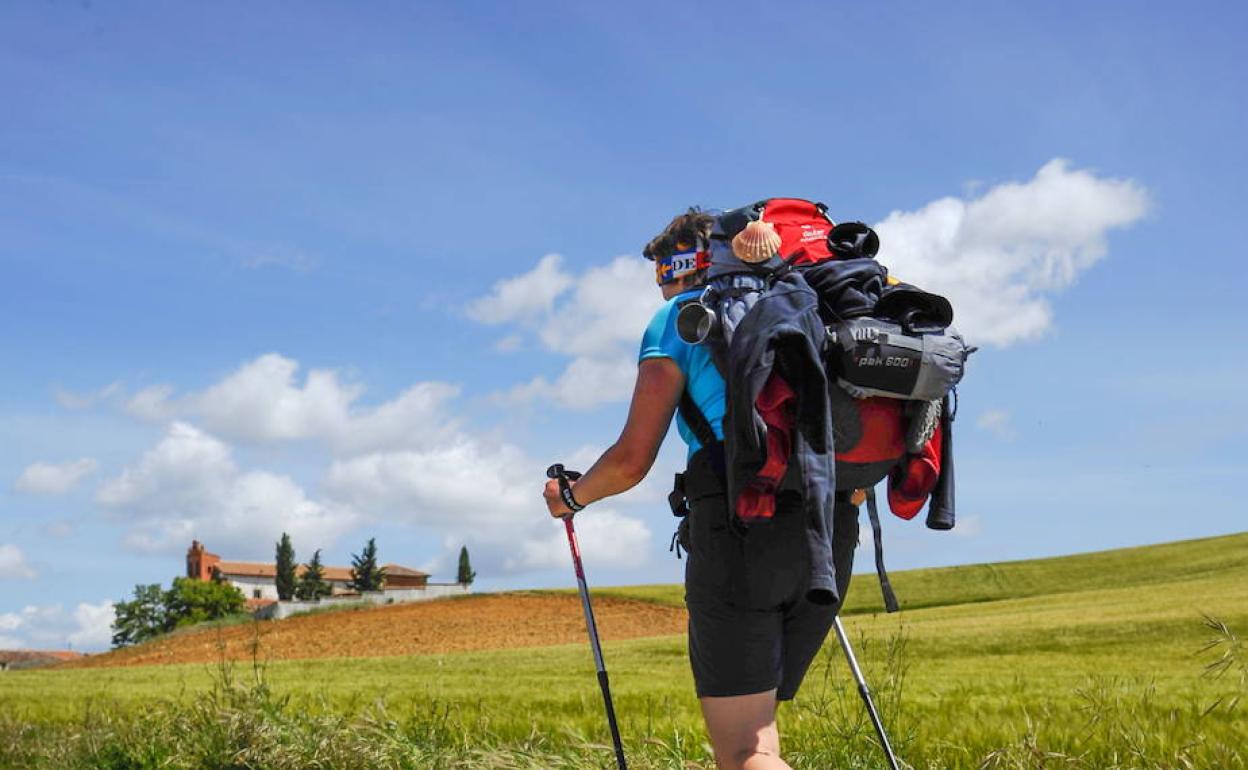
(486, 622)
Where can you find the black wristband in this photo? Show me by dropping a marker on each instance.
(565, 492)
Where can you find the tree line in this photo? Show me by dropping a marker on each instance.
(154, 610)
(366, 573)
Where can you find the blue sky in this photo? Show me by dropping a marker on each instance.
(356, 272)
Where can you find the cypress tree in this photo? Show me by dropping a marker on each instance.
(312, 583)
(285, 569)
(466, 573)
(365, 574)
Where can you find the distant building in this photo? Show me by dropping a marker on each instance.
(15, 659)
(258, 580)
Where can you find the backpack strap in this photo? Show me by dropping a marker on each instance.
(696, 421)
(705, 434)
(886, 588)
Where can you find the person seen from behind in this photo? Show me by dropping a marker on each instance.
(752, 631)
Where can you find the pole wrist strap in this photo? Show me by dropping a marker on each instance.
(565, 493)
(557, 471)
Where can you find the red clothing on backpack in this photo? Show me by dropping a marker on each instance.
(777, 406)
(910, 483)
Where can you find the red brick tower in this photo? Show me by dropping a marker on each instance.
(199, 563)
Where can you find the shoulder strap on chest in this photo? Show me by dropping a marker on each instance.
(696, 421)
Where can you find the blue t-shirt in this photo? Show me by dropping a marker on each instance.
(702, 379)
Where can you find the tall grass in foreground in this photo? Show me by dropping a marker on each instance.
(240, 722)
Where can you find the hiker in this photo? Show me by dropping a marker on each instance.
(752, 630)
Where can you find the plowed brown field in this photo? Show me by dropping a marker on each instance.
(486, 622)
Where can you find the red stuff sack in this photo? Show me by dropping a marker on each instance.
(803, 227)
(870, 438)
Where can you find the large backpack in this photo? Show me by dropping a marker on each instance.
(893, 350)
(891, 355)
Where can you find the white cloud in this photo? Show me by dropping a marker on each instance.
(188, 486)
(13, 564)
(598, 324)
(406, 459)
(87, 628)
(1000, 256)
(416, 418)
(996, 422)
(606, 538)
(487, 495)
(608, 309)
(524, 298)
(71, 400)
(583, 384)
(264, 401)
(152, 404)
(54, 478)
(465, 483)
(94, 626)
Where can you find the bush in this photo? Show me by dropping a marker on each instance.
(194, 601)
(188, 601)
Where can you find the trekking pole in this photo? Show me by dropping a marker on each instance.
(865, 692)
(557, 471)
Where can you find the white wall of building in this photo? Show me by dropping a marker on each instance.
(254, 587)
(281, 610)
(267, 587)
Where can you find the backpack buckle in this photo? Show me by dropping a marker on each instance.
(676, 499)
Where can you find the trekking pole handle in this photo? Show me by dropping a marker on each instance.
(557, 471)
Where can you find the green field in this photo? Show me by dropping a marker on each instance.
(1090, 661)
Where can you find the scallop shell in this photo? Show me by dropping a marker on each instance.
(758, 242)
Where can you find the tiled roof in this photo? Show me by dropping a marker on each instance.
(246, 569)
(342, 574)
(22, 656)
(395, 569)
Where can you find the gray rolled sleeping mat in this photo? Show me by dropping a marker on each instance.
(878, 358)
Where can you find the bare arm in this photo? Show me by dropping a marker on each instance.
(655, 396)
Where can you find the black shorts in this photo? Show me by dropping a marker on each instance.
(751, 628)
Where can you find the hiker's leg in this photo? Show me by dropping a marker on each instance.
(807, 625)
(844, 541)
(743, 731)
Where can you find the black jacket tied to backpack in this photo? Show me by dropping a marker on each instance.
(783, 333)
(847, 288)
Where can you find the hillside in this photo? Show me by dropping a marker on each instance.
(1151, 565)
(481, 622)
(1095, 662)
(1126, 579)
